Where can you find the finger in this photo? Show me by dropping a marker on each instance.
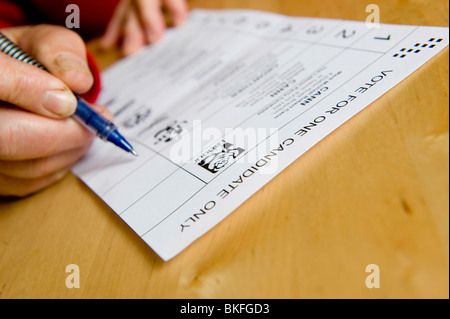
(113, 31)
(61, 51)
(152, 19)
(103, 111)
(178, 10)
(134, 36)
(33, 89)
(41, 167)
(25, 135)
(10, 186)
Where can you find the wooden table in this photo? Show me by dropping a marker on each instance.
(375, 191)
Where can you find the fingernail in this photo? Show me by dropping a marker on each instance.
(69, 61)
(60, 103)
(177, 21)
(103, 111)
(107, 114)
(154, 35)
(60, 175)
(152, 38)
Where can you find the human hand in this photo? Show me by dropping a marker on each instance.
(38, 142)
(141, 22)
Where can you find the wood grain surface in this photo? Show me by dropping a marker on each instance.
(375, 191)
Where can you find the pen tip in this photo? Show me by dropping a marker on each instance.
(133, 151)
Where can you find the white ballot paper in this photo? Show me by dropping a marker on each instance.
(222, 104)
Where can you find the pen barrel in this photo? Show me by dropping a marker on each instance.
(10, 48)
(92, 120)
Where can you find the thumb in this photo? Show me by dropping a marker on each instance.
(63, 53)
(35, 90)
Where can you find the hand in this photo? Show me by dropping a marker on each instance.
(141, 22)
(38, 142)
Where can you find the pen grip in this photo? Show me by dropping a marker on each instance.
(92, 120)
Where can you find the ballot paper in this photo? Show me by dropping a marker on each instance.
(224, 103)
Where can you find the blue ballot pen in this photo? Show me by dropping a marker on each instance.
(104, 129)
(84, 113)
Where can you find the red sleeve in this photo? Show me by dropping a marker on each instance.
(93, 93)
(10, 14)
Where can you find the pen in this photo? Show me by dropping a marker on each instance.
(84, 113)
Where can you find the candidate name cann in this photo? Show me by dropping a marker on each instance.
(234, 184)
(305, 129)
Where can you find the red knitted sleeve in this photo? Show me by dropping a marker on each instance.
(93, 93)
(10, 14)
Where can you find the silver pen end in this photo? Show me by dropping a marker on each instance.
(133, 151)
